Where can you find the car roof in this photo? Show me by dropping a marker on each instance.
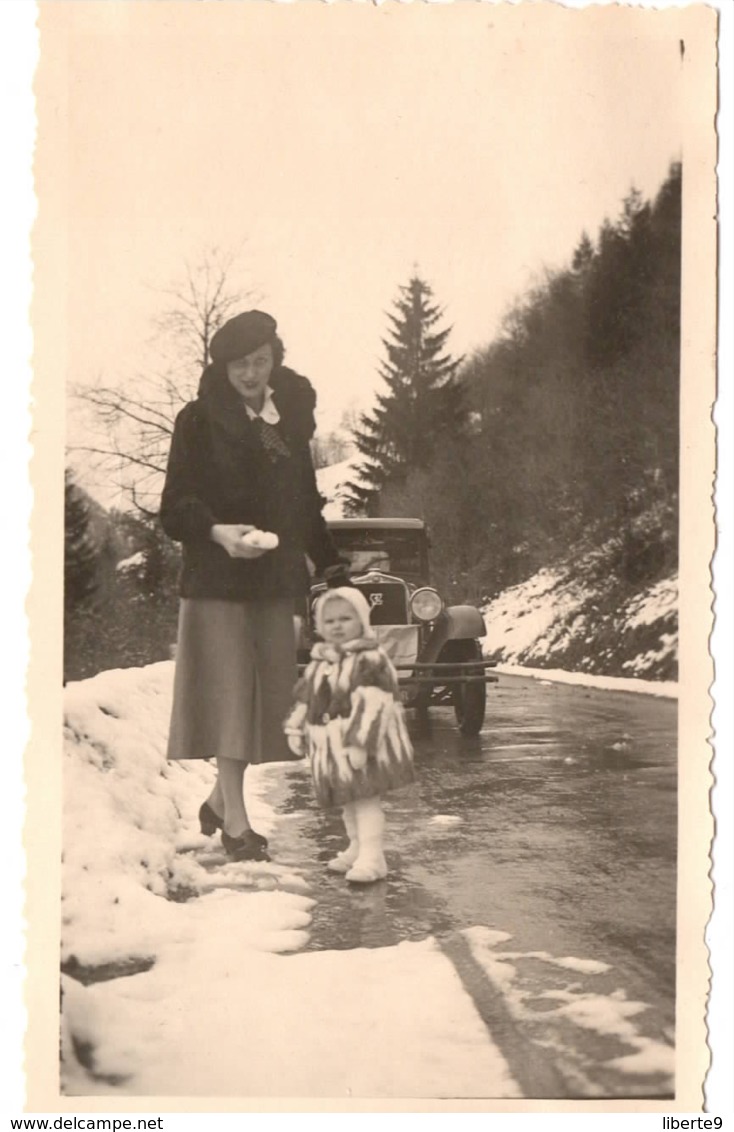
(376, 524)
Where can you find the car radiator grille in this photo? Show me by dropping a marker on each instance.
(387, 602)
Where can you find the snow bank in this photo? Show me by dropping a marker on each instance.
(588, 680)
(129, 819)
(215, 1005)
(331, 1024)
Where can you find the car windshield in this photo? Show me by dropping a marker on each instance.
(397, 552)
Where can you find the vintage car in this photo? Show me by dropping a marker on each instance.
(434, 647)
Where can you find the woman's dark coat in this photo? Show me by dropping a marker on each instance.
(219, 472)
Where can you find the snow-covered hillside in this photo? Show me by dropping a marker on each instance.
(575, 616)
(581, 619)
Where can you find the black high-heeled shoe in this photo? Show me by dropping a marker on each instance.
(209, 821)
(249, 846)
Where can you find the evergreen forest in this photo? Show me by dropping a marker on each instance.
(561, 434)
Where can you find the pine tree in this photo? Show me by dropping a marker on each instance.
(422, 403)
(159, 576)
(81, 553)
(583, 254)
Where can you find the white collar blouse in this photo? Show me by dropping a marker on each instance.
(268, 413)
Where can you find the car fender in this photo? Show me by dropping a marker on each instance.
(464, 621)
(456, 622)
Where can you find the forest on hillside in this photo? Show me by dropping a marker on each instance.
(570, 427)
(120, 587)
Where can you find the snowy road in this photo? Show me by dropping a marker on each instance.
(553, 838)
(523, 944)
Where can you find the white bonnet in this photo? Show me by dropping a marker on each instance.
(352, 597)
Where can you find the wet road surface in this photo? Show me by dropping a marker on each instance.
(556, 826)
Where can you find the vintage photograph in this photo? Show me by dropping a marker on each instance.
(364, 330)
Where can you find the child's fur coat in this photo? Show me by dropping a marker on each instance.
(348, 698)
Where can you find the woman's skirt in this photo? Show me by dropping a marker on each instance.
(234, 677)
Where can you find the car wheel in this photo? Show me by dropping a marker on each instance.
(470, 699)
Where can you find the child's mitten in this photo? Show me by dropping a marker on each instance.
(357, 757)
(262, 540)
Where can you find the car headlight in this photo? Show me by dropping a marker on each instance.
(426, 604)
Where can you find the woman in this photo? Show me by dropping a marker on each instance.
(239, 461)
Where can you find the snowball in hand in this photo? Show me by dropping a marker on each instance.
(261, 540)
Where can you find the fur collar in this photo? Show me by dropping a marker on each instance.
(293, 396)
(334, 653)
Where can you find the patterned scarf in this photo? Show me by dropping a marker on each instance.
(273, 443)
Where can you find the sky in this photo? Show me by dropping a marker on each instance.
(337, 149)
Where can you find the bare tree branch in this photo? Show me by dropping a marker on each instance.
(130, 426)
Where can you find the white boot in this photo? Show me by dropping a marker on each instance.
(370, 864)
(344, 860)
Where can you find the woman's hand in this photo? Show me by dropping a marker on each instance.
(229, 537)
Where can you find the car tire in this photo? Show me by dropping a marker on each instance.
(470, 700)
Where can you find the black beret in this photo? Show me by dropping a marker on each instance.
(241, 335)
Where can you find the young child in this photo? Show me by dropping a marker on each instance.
(348, 718)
